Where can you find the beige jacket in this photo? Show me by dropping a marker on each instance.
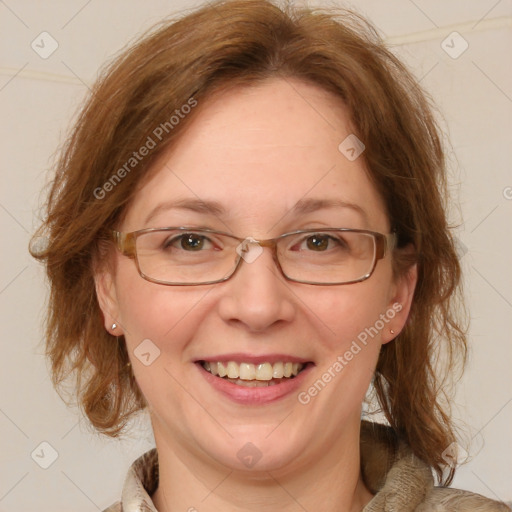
(400, 481)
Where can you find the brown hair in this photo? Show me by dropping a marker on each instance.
(233, 43)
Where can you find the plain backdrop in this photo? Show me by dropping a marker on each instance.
(459, 50)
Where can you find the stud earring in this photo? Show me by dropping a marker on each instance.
(114, 326)
(391, 331)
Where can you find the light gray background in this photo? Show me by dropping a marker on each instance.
(38, 98)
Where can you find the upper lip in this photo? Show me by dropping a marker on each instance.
(254, 359)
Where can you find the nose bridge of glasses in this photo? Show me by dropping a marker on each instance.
(248, 241)
(249, 249)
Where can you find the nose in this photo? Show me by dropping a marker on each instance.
(257, 296)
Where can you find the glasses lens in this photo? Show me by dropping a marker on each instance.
(178, 256)
(185, 257)
(327, 257)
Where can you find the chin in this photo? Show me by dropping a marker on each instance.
(257, 453)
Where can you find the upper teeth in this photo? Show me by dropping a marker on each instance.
(249, 371)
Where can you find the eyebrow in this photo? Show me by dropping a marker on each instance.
(193, 205)
(311, 205)
(302, 207)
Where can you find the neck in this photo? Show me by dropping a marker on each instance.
(189, 482)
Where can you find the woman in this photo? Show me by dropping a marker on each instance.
(246, 231)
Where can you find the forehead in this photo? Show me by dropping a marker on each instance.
(257, 151)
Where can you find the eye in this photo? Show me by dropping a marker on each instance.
(321, 242)
(318, 242)
(189, 242)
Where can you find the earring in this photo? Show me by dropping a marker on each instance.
(391, 331)
(114, 326)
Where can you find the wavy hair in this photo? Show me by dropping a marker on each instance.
(235, 43)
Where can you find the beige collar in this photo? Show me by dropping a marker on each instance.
(399, 480)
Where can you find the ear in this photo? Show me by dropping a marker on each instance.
(107, 299)
(400, 303)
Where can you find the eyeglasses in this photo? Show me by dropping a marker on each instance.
(181, 256)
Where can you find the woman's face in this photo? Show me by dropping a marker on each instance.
(257, 162)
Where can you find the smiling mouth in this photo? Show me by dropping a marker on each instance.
(254, 375)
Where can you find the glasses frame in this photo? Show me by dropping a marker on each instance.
(126, 244)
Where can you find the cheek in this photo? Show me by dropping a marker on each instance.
(352, 320)
(350, 313)
(349, 319)
(160, 322)
(156, 312)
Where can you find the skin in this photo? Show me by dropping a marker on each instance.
(257, 151)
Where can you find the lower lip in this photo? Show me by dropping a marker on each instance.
(255, 395)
